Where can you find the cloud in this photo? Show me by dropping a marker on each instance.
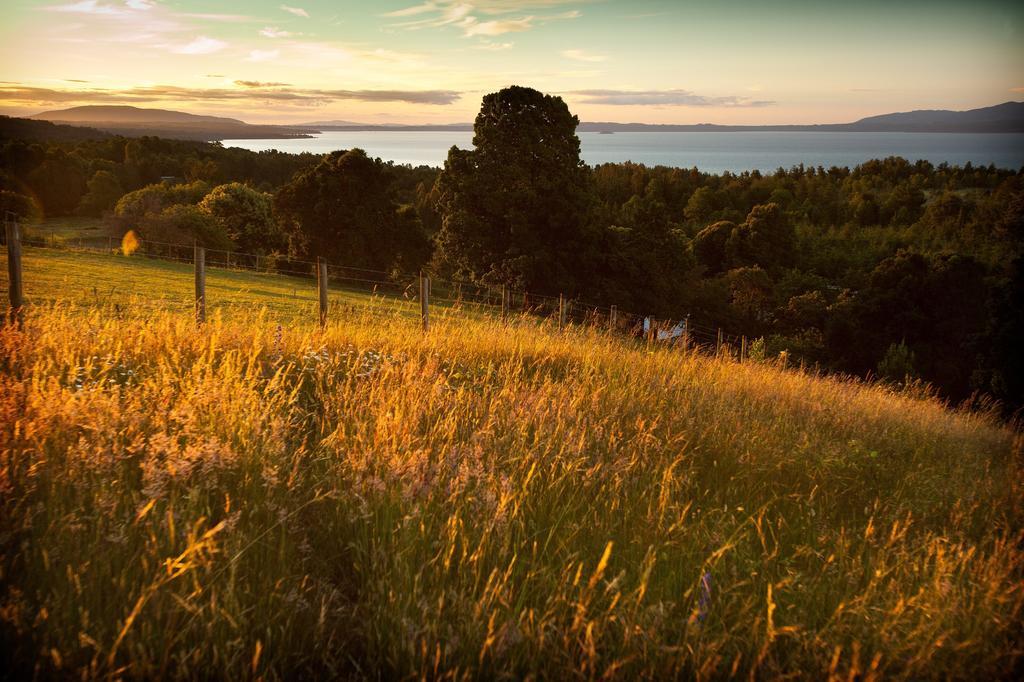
(494, 47)
(201, 45)
(260, 84)
(275, 32)
(88, 7)
(262, 92)
(496, 27)
(413, 10)
(216, 17)
(1020, 89)
(677, 97)
(297, 11)
(262, 55)
(466, 16)
(583, 56)
(142, 5)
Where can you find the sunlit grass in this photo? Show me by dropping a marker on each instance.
(258, 497)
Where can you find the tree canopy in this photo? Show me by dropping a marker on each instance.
(515, 208)
(344, 209)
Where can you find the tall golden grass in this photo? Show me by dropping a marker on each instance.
(485, 500)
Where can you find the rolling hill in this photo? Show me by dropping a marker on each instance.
(135, 121)
(270, 496)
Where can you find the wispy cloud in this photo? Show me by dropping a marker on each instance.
(260, 84)
(275, 32)
(91, 7)
(466, 16)
(297, 11)
(495, 27)
(1020, 89)
(494, 47)
(201, 45)
(208, 16)
(673, 97)
(256, 92)
(413, 10)
(583, 56)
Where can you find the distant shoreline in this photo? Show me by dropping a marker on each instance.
(697, 128)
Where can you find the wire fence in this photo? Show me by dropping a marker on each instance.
(302, 277)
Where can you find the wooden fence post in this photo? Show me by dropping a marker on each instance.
(718, 343)
(686, 333)
(321, 284)
(561, 312)
(613, 318)
(743, 348)
(504, 302)
(425, 301)
(200, 267)
(13, 236)
(652, 331)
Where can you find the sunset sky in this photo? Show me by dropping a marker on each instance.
(654, 61)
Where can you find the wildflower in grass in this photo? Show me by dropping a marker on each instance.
(704, 601)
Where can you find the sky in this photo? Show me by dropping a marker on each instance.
(431, 61)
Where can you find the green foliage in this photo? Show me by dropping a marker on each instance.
(709, 246)
(757, 349)
(104, 190)
(21, 206)
(700, 206)
(246, 216)
(764, 239)
(152, 199)
(185, 224)
(897, 365)
(515, 208)
(344, 209)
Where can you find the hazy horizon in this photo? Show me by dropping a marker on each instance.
(430, 62)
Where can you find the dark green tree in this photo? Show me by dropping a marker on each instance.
(104, 190)
(764, 239)
(709, 246)
(344, 209)
(514, 209)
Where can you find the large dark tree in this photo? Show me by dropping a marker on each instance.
(344, 209)
(515, 208)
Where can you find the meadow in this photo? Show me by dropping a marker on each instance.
(260, 498)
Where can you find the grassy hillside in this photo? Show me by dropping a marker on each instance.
(252, 500)
(139, 285)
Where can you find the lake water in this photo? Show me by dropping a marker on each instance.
(710, 152)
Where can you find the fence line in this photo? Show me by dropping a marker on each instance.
(499, 301)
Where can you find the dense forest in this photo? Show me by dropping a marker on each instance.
(894, 269)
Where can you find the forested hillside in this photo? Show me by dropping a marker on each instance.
(898, 269)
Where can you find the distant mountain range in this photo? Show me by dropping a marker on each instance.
(133, 121)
